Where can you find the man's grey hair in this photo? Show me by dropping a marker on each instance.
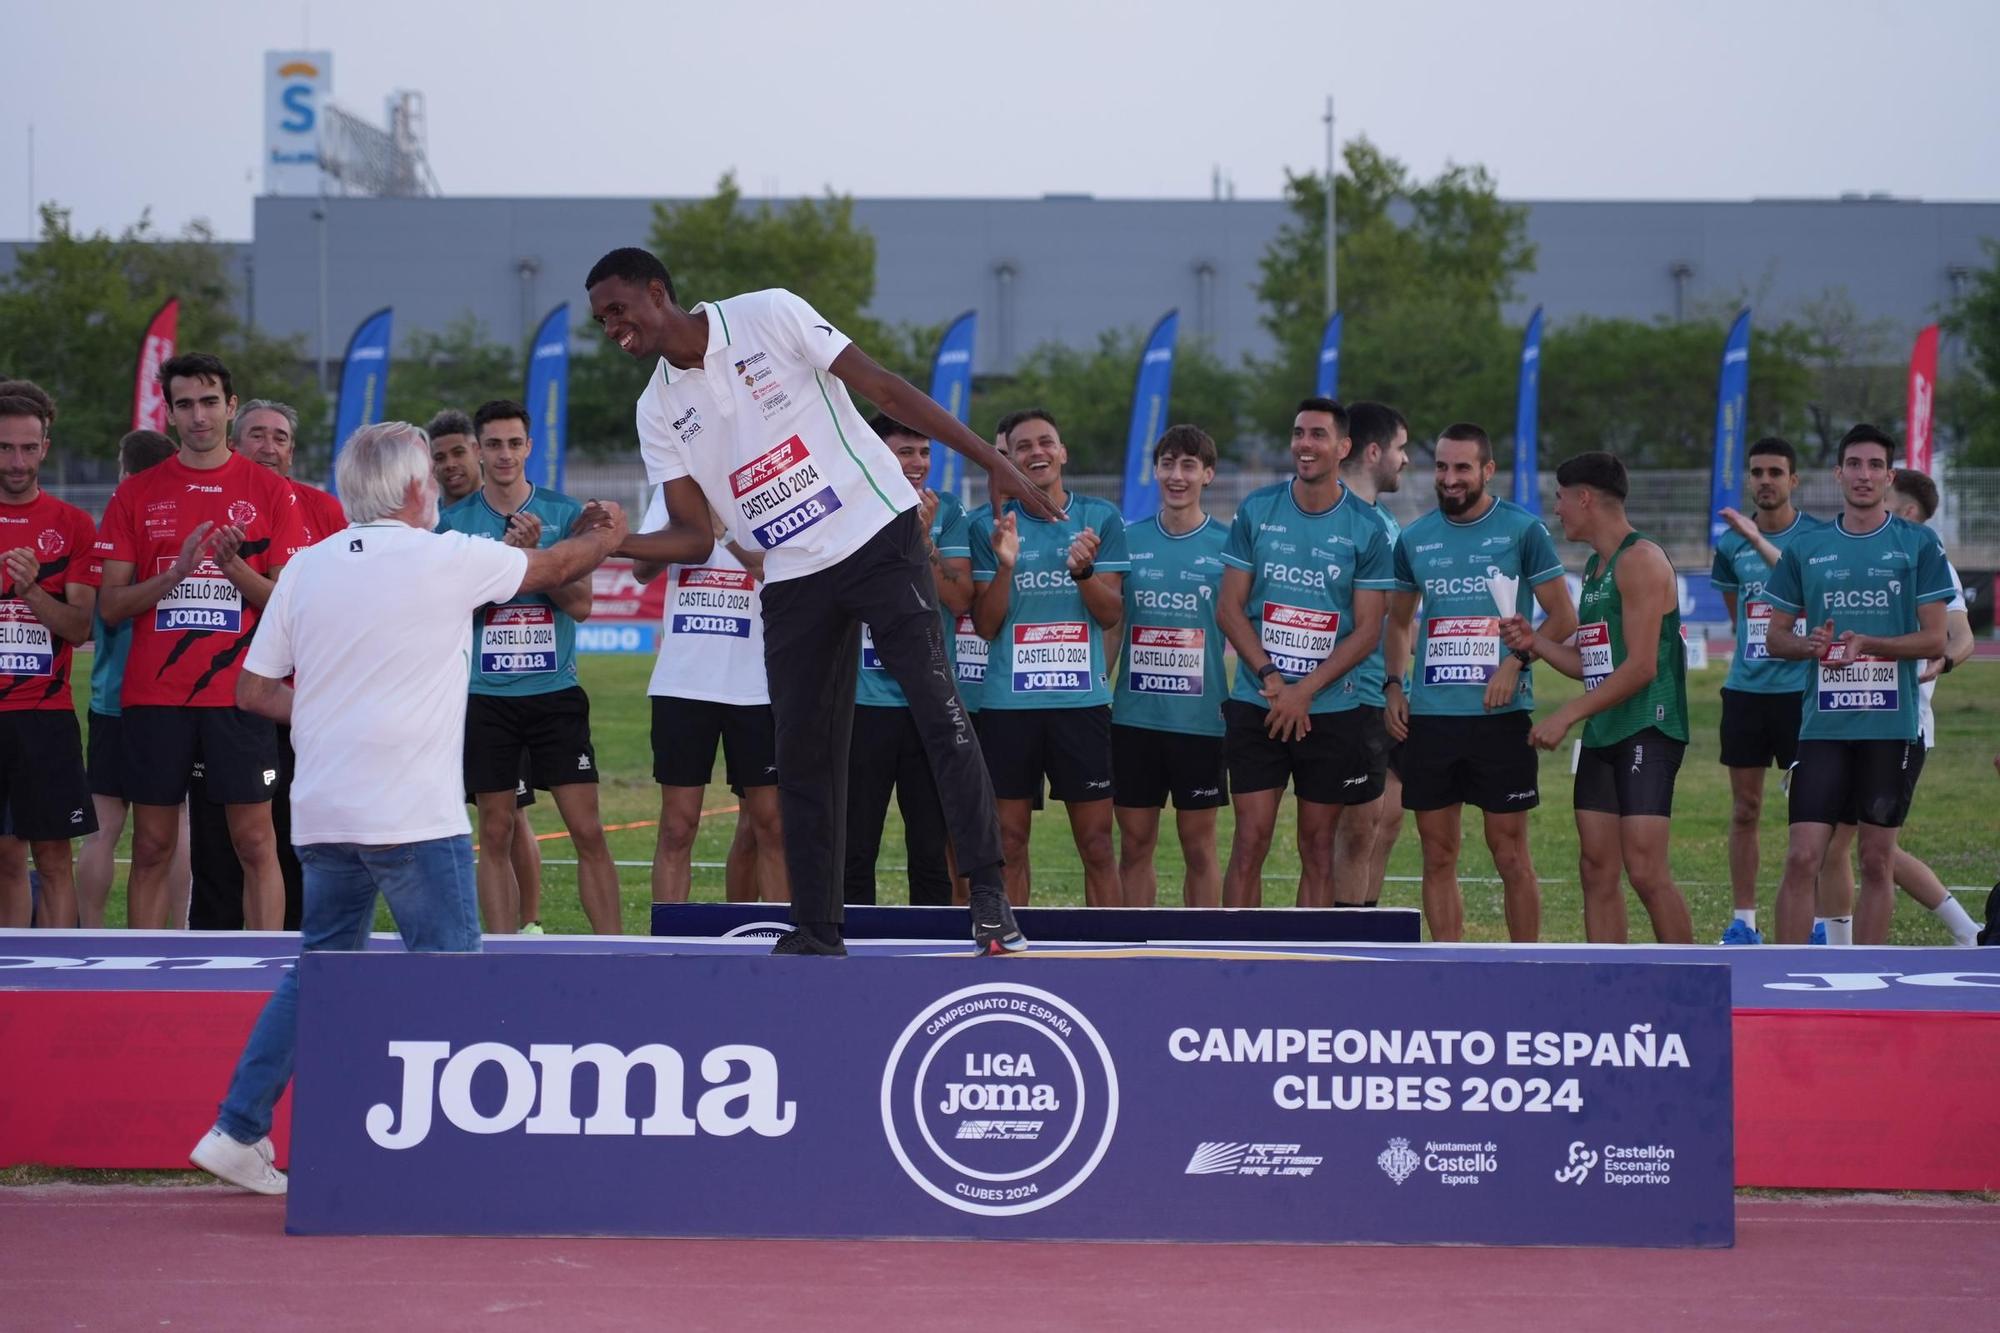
(377, 465)
(285, 410)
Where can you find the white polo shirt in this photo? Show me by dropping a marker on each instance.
(1926, 719)
(771, 437)
(711, 628)
(376, 622)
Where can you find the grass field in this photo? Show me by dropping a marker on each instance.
(1953, 825)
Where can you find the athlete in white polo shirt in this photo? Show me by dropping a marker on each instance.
(748, 411)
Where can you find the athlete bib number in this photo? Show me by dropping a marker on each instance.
(1461, 650)
(781, 494)
(204, 600)
(1757, 631)
(1857, 685)
(1052, 657)
(26, 648)
(1161, 659)
(1297, 638)
(971, 653)
(870, 659)
(712, 601)
(1593, 641)
(518, 639)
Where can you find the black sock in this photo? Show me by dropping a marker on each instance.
(987, 879)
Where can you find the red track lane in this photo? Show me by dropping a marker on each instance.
(89, 1257)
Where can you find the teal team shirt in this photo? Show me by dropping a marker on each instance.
(1374, 672)
(874, 687)
(1739, 569)
(1170, 674)
(1304, 571)
(1049, 653)
(524, 646)
(1872, 584)
(1457, 648)
(107, 664)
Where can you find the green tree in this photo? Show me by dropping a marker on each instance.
(457, 367)
(74, 308)
(1970, 399)
(1424, 268)
(1646, 391)
(1090, 393)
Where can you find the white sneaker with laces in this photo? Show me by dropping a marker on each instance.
(241, 1164)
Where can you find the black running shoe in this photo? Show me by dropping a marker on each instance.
(993, 928)
(801, 940)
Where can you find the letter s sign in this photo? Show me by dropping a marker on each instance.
(298, 100)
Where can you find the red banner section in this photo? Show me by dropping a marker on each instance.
(1825, 1099)
(616, 595)
(1922, 401)
(156, 348)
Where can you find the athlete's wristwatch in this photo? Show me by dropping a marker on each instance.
(1079, 575)
(1266, 671)
(1524, 657)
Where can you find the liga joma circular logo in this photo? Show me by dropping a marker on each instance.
(999, 1099)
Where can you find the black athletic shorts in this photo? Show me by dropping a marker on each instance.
(105, 755)
(1855, 782)
(524, 787)
(1483, 760)
(1343, 760)
(1069, 746)
(1760, 729)
(1634, 776)
(44, 794)
(686, 732)
(1148, 765)
(238, 752)
(552, 729)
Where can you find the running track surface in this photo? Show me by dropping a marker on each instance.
(127, 1257)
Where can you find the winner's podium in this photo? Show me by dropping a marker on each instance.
(1111, 1093)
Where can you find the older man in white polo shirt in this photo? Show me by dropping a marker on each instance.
(748, 411)
(377, 626)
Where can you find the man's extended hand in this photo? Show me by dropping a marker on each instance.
(1502, 685)
(1007, 482)
(1290, 715)
(524, 529)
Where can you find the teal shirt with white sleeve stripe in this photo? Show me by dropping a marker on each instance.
(1457, 648)
(1049, 653)
(1304, 571)
(526, 645)
(1871, 583)
(874, 687)
(1170, 673)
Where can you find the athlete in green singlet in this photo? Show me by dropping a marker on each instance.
(1628, 653)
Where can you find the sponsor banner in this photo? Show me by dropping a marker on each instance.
(1151, 389)
(951, 388)
(364, 380)
(1326, 381)
(1732, 397)
(156, 348)
(1922, 403)
(1527, 419)
(1473, 1103)
(616, 638)
(616, 595)
(548, 400)
(296, 87)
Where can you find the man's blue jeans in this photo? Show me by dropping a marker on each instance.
(435, 901)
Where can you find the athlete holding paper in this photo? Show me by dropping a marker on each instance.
(1629, 655)
(1465, 723)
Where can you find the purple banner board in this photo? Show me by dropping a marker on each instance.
(1106, 1099)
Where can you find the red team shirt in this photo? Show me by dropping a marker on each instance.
(34, 660)
(187, 650)
(320, 512)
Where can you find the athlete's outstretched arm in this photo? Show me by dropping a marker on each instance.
(689, 536)
(264, 697)
(595, 538)
(913, 407)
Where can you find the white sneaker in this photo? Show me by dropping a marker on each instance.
(241, 1164)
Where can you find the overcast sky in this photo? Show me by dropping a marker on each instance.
(147, 105)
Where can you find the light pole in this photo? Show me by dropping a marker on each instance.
(1332, 290)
